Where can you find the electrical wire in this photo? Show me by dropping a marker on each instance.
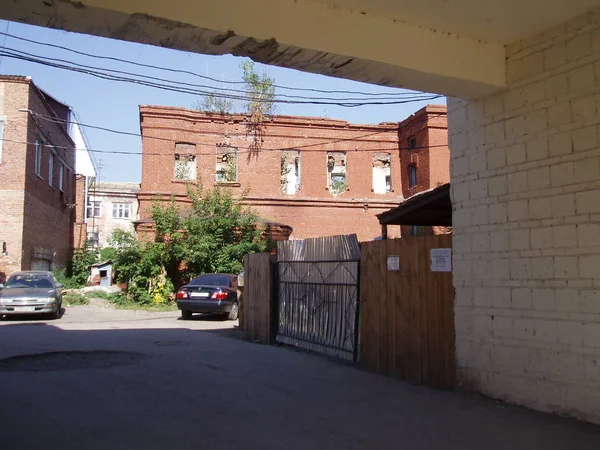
(127, 133)
(124, 152)
(187, 72)
(214, 90)
(107, 74)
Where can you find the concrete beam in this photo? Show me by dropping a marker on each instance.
(299, 34)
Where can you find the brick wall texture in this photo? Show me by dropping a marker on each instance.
(312, 211)
(35, 221)
(525, 174)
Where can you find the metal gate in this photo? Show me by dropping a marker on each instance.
(318, 299)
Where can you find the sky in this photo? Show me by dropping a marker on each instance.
(114, 105)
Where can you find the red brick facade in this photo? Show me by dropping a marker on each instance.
(35, 218)
(424, 149)
(347, 173)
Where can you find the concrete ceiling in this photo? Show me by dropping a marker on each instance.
(451, 47)
(495, 21)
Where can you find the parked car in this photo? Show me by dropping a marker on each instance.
(209, 293)
(31, 292)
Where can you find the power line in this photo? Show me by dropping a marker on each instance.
(127, 133)
(215, 90)
(107, 74)
(4, 41)
(187, 72)
(124, 152)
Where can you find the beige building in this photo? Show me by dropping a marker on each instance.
(523, 81)
(110, 206)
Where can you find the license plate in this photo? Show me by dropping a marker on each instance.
(200, 294)
(24, 308)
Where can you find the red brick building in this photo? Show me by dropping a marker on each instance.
(37, 181)
(320, 176)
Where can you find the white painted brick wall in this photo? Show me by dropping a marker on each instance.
(526, 195)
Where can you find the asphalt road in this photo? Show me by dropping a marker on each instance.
(108, 380)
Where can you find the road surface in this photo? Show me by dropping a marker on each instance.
(106, 379)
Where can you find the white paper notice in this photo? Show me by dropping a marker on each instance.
(441, 260)
(393, 262)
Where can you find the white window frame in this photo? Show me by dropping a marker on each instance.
(38, 157)
(61, 176)
(92, 206)
(51, 157)
(121, 211)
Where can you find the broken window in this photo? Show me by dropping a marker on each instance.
(336, 172)
(290, 171)
(412, 175)
(185, 161)
(382, 173)
(227, 164)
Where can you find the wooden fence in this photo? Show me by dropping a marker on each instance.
(407, 315)
(258, 303)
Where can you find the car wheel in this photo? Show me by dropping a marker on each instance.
(186, 315)
(56, 314)
(235, 310)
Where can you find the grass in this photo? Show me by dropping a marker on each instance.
(123, 301)
(145, 307)
(119, 300)
(75, 300)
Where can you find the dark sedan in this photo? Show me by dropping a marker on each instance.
(31, 292)
(210, 293)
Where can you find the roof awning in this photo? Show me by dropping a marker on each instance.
(428, 208)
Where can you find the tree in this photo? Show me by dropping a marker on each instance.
(260, 92)
(213, 235)
(215, 103)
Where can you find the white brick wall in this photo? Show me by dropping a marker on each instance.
(526, 197)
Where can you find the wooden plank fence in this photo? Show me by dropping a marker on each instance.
(407, 316)
(258, 298)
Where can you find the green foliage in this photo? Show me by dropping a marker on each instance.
(212, 235)
(260, 91)
(215, 103)
(76, 274)
(107, 254)
(75, 300)
(338, 185)
(67, 282)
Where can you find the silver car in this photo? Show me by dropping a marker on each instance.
(31, 292)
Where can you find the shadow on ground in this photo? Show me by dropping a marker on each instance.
(182, 388)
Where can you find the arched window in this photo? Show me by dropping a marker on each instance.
(412, 175)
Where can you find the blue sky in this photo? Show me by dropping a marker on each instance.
(114, 105)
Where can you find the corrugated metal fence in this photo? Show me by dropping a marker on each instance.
(318, 294)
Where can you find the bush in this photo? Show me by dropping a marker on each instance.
(213, 235)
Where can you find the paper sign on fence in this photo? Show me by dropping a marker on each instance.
(441, 260)
(393, 263)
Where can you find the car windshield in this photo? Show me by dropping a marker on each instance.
(29, 281)
(212, 280)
